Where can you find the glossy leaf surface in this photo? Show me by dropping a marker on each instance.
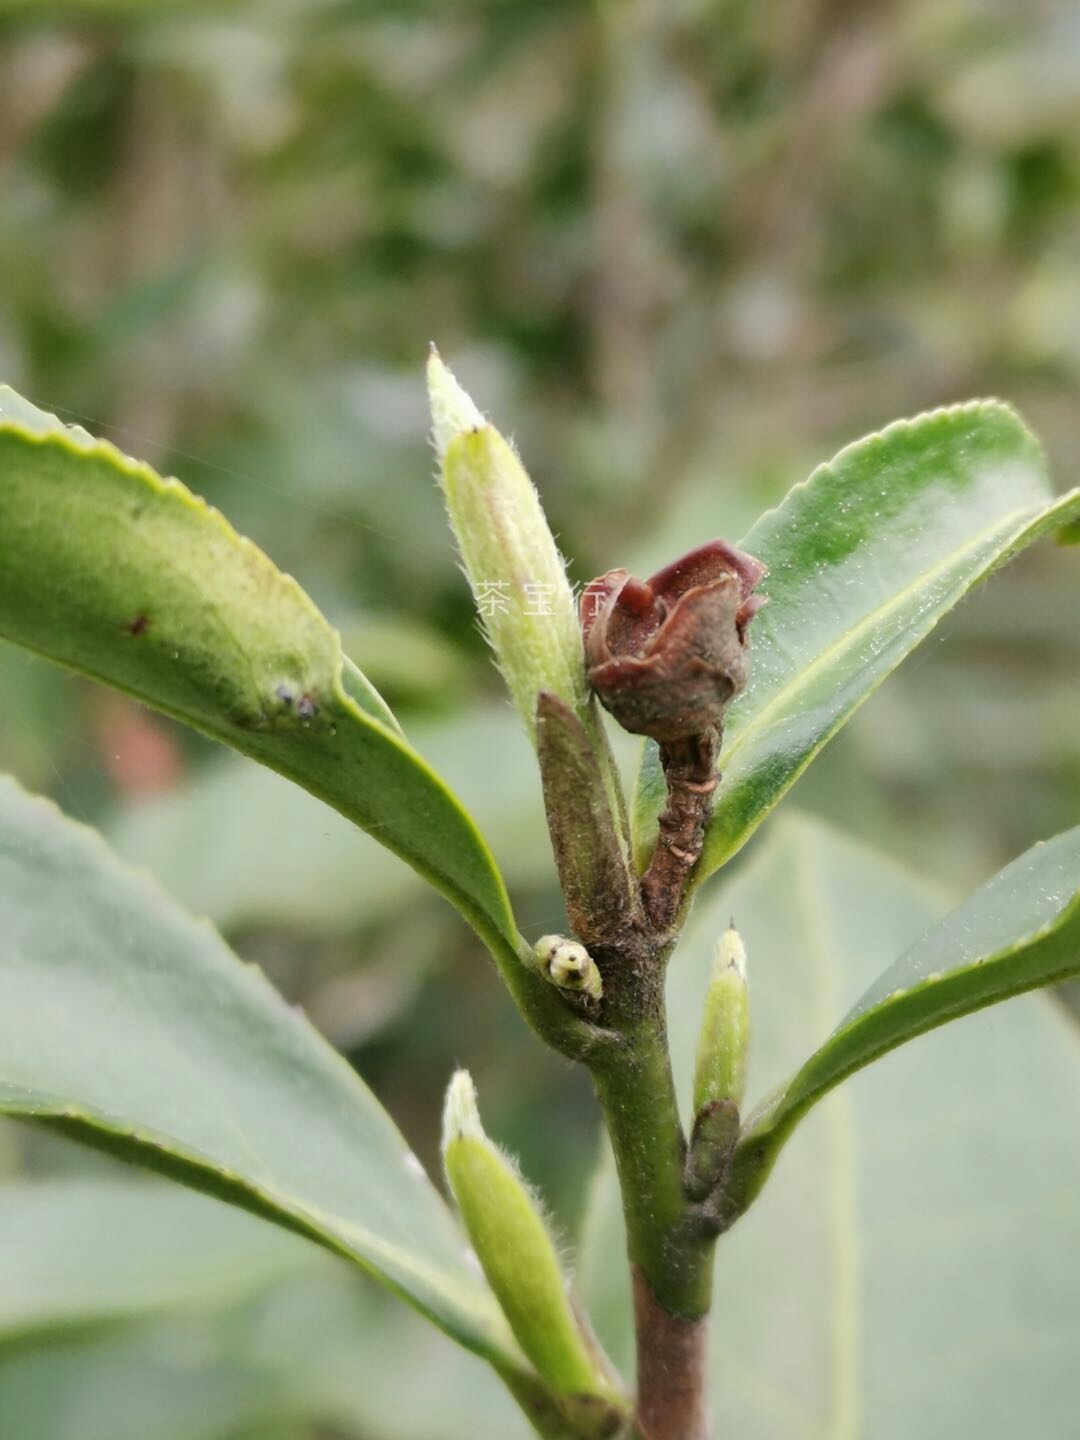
(132, 579)
(907, 1270)
(128, 1026)
(864, 558)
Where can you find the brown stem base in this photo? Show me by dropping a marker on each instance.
(671, 1370)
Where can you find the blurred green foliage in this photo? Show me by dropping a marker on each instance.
(682, 252)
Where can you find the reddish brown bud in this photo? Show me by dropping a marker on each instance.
(667, 655)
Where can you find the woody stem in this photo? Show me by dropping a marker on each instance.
(690, 770)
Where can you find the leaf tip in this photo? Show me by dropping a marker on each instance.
(461, 1115)
(452, 408)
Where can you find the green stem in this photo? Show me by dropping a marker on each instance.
(637, 1092)
(671, 1258)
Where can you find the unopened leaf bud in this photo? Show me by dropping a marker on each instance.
(514, 1248)
(720, 1070)
(517, 575)
(567, 964)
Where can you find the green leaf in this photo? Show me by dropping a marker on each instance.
(128, 1026)
(316, 1350)
(1020, 931)
(133, 580)
(82, 1250)
(864, 558)
(906, 1271)
(174, 1316)
(176, 1379)
(242, 845)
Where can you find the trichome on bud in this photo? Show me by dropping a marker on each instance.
(515, 1250)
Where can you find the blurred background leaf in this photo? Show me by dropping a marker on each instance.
(193, 1321)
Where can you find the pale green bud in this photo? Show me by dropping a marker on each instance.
(516, 573)
(567, 964)
(720, 1070)
(515, 1250)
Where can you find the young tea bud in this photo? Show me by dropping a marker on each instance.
(514, 1248)
(567, 964)
(720, 1069)
(513, 566)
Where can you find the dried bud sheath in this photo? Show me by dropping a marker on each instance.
(666, 656)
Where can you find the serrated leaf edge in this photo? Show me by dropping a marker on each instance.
(176, 490)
